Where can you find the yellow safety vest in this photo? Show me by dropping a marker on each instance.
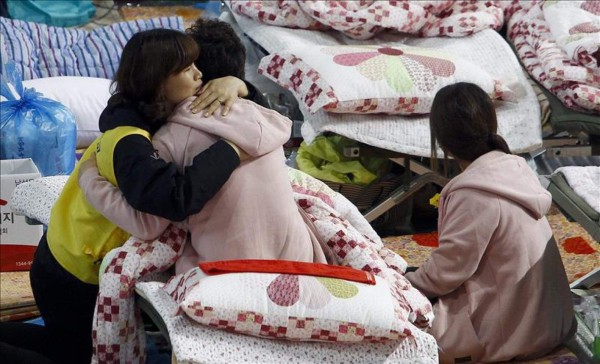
(78, 235)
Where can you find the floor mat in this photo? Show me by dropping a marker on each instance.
(579, 252)
(17, 301)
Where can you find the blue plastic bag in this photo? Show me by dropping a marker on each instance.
(59, 13)
(32, 126)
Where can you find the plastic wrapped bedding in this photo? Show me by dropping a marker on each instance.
(519, 123)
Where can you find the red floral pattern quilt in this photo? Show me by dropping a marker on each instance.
(363, 19)
(118, 333)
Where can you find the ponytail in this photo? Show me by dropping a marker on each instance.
(496, 142)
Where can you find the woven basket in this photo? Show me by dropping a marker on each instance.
(396, 220)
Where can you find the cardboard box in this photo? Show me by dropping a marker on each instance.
(18, 239)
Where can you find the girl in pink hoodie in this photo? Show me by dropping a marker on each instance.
(500, 283)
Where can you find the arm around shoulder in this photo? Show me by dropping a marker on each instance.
(109, 201)
(155, 186)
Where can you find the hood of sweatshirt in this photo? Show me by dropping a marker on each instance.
(121, 113)
(507, 176)
(251, 127)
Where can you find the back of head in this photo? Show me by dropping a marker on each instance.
(221, 50)
(463, 122)
(148, 58)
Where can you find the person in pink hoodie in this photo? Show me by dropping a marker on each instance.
(501, 288)
(254, 214)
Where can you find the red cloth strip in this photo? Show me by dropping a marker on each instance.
(286, 267)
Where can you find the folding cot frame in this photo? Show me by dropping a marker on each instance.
(415, 177)
(583, 130)
(583, 340)
(574, 205)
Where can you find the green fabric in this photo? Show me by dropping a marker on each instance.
(324, 159)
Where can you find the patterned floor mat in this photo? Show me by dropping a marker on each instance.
(17, 301)
(579, 252)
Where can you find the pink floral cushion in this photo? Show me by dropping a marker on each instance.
(292, 307)
(373, 78)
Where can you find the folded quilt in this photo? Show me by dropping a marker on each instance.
(364, 19)
(557, 42)
(118, 334)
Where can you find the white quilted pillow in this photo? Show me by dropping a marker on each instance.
(293, 306)
(364, 79)
(86, 97)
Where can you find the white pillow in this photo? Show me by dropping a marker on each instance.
(86, 97)
(292, 307)
(364, 79)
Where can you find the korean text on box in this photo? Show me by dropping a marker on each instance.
(18, 239)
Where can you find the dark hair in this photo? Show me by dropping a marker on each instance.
(463, 122)
(148, 58)
(221, 50)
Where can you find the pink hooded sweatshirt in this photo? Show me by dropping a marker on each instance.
(502, 288)
(253, 216)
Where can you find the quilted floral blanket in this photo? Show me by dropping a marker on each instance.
(118, 333)
(558, 43)
(363, 19)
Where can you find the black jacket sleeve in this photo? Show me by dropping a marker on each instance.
(154, 186)
(255, 95)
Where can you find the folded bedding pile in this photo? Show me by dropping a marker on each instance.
(388, 334)
(557, 42)
(369, 71)
(365, 19)
(119, 333)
